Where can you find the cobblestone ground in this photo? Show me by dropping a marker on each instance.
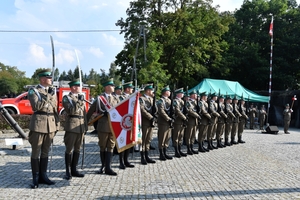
(265, 167)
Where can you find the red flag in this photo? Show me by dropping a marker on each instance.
(123, 119)
(271, 28)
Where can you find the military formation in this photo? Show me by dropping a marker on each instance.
(181, 118)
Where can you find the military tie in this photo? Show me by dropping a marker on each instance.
(108, 98)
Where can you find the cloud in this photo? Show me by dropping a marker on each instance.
(37, 55)
(111, 40)
(96, 52)
(66, 56)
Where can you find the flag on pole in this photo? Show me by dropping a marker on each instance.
(271, 28)
(125, 122)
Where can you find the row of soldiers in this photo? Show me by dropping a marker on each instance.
(181, 120)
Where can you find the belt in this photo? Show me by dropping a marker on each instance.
(76, 116)
(43, 113)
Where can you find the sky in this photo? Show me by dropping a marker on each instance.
(29, 51)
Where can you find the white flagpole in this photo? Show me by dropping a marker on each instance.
(271, 58)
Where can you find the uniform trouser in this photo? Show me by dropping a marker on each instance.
(211, 130)
(261, 122)
(228, 127)
(106, 141)
(164, 135)
(40, 144)
(251, 122)
(241, 127)
(234, 129)
(202, 132)
(286, 125)
(73, 141)
(146, 137)
(177, 135)
(220, 130)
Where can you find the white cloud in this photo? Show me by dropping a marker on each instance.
(65, 57)
(37, 55)
(96, 52)
(111, 40)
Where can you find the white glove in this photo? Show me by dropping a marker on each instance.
(291, 110)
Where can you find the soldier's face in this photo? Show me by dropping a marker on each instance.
(109, 89)
(118, 92)
(180, 95)
(75, 89)
(45, 81)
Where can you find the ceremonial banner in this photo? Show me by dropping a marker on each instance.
(125, 122)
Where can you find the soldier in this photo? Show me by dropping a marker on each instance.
(221, 122)
(287, 114)
(164, 123)
(148, 122)
(262, 117)
(230, 118)
(75, 127)
(180, 121)
(252, 114)
(192, 123)
(243, 120)
(44, 123)
(213, 111)
(235, 120)
(105, 135)
(118, 91)
(204, 122)
(123, 156)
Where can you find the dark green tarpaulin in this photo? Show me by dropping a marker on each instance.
(230, 88)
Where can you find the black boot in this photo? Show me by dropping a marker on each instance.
(189, 151)
(126, 162)
(43, 178)
(194, 151)
(209, 146)
(68, 158)
(227, 142)
(102, 158)
(121, 156)
(152, 147)
(233, 141)
(219, 143)
(149, 160)
(74, 171)
(240, 140)
(200, 148)
(166, 155)
(143, 161)
(35, 173)
(206, 149)
(108, 169)
(212, 144)
(177, 154)
(162, 155)
(180, 152)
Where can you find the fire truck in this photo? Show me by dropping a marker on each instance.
(21, 105)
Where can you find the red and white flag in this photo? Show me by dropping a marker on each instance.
(125, 122)
(271, 27)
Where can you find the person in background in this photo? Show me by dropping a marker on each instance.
(287, 115)
(262, 117)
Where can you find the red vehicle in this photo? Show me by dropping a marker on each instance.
(21, 105)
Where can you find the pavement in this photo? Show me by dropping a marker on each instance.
(265, 167)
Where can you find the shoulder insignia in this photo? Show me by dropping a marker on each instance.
(65, 99)
(31, 91)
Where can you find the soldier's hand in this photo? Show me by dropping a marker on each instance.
(80, 97)
(51, 91)
(171, 120)
(153, 119)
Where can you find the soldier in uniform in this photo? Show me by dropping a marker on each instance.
(221, 121)
(236, 120)
(105, 135)
(44, 123)
(192, 123)
(252, 114)
(123, 156)
(287, 115)
(118, 91)
(262, 117)
(75, 127)
(243, 120)
(230, 118)
(204, 122)
(213, 111)
(180, 121)
(164, 123)
(148, 122)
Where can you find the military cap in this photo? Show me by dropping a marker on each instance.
(45, 73)
(228, 97)
(262, 106)
(235, 97)
(242, 99)
(119, 87)
(203, 94)
(186, 94)
(180, 90)
(167, 88)
(128, 85)
(213, 95)
(148, 86)
(287, 105)
(221, 97)
(74, 82)
(108, 82)
(193, 92)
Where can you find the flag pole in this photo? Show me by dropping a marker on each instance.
(271, 59)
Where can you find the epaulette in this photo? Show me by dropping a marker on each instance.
(160, 101)
(31, 91)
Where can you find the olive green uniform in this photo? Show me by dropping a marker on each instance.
(262, 118)
(221, 123)
(242, 123)
(287, 115)
(235, 122)
(213, 111)
(229, 122)
(192, 123)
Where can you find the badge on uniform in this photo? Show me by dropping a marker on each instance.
(31, 92)
(65, 99)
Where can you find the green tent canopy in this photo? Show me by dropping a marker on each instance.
(230, 88)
